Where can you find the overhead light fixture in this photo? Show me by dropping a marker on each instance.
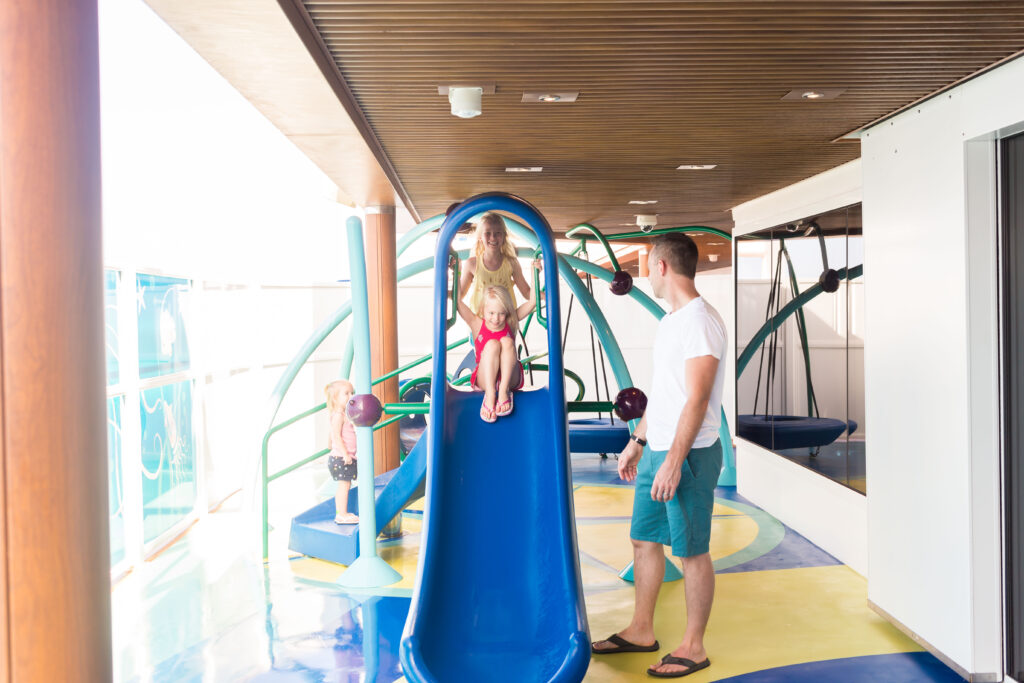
(713, 258)
(814, 94)
(643, 201)
(696, 167)
(561, 96)
(523, 169)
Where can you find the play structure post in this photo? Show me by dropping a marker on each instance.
(368, 571)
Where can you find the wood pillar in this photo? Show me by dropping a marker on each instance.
(55, 574)
(642, 256)
(382, 292)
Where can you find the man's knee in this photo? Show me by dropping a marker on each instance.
(696, 561)
(645, 546)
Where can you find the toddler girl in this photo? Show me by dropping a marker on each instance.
(342, 461)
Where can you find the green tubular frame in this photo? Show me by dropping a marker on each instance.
(775, 322)
(665, 231)
(587, 227)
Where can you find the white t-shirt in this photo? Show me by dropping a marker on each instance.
(694, 330)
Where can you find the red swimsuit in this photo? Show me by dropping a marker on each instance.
(481, 339)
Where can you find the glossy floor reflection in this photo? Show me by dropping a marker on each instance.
(209, 609)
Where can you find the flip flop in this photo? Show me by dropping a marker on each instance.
(691, 667)
(621, 645)
(348, 518)
(502, 413)
(487, 414)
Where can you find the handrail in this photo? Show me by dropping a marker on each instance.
(580, 389)
(600, 238)
(418, 361)
(538, 307)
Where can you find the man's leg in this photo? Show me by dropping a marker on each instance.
(700, 590)
(648, 573)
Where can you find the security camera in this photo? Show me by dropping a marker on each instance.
(646, 222)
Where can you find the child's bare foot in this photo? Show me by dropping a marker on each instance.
(346, 518)
(487, 408)
(504, 405)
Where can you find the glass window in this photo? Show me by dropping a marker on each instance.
(110, 281)
(114, 453)
(800, 387)
(162, 311)
(168, 457)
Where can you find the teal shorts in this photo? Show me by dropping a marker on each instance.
(685, 521)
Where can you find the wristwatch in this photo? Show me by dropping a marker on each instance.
(634, 437)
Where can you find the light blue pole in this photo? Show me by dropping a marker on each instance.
(368, 571)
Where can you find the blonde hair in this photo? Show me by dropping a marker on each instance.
(505, 299)
(495, 221)
(331, 392)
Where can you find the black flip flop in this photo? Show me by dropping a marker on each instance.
(691, 667)
(622, 645)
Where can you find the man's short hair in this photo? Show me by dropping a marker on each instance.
(678, 251)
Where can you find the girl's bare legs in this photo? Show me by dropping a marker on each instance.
(341, 501)
(508, 366)
(487, 372)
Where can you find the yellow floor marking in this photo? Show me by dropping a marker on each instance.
(760, 620)
(610, 544)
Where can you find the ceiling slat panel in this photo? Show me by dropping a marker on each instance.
(660, 83)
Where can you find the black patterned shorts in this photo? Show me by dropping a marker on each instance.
(339, 470)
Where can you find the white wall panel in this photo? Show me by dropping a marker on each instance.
(930, 493)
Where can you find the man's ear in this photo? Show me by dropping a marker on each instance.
(662, 267)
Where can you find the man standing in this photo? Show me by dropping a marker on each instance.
(675, 457)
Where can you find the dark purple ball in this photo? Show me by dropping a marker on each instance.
(630, 404)
(364, 410)
(621, 283)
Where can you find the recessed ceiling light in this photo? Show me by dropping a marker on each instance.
(696, 167)
(715, 244)
(523, 169)
(560, 96)
(643, 201)
(814, 94)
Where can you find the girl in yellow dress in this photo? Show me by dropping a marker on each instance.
(493, 265)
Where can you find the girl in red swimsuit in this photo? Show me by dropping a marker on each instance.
(497, 370)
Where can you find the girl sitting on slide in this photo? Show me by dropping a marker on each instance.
(497, 371)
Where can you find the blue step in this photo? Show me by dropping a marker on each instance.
(315, 534)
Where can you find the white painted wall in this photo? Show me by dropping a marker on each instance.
(829, 514)
(933, 462)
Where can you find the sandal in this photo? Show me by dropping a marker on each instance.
(502, 412)
(621, 645)
(691, 667)
(347, 518)
(487, 414)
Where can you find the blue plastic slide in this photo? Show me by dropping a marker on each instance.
(498, 594)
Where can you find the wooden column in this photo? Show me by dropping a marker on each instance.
(55, 574)
(382, 291)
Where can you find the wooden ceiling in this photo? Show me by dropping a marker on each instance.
(661, 84)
